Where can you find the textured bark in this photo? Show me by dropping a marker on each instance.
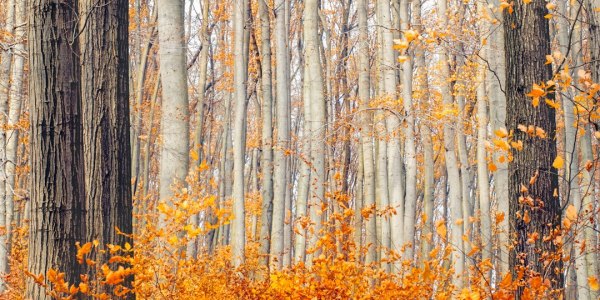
(267, 132)
(57, 177)
(282, 144)
(527, 42)
(593, 259)
(366, 133)
(5, 67)
(105, 119)
(240, 77)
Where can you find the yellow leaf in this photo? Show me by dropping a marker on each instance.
(492, 167)
(501, 132)
(194, 155)
(571, 213)
(552, 104)
(410, 35)
(402, 58)
(558, 162)
(526, 1)
(549, 59)
(441, 229)
(526, 217)
(550, 6)
(594, 285)
(536, 91)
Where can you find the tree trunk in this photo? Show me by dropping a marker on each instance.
(174, 159)
(527, 42)
(366, 133)
(410, 198)
(453, 174)
(317, 116)
(267, 133)
(105, 118)
(57, 177)
(280, 173)
(240, 78)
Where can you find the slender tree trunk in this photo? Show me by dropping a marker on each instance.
(527, 42)
(454, 195)
(240, 78)
(57, 177)
(409, 146)
(366, 133)
(496, 79)
(280, 172)
(483, 180)
(5, 67)
(267, 133)
(317, 116)
(394, 158)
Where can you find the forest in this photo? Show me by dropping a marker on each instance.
(300, 149)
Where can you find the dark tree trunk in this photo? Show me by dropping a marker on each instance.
(105, 117)
(527, 43)
(57, 177)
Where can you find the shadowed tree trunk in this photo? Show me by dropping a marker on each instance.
(527, 42)
(57, 177)
(105, 118)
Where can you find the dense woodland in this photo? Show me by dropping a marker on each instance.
(299, 149)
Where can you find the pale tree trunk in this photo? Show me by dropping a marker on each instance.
(57, 178)
(572, 149)
(483, 181)
(495, 81)
(409, 146)
(425, 133)
(454, 196)
(304, 179)
(587, 155)
(267, 133)
(280, 163)
(240, 78)
(366, 133)
(317, 117)
(174, 156)
(5, 67)
(394, 162)
(105, 119)
(192, 249)
(136, 131)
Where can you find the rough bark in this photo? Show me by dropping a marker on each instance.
(105, 118)
(57, 178)
(527, 42)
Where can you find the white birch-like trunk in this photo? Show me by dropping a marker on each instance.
(454, 197)
(495, 84)
(410, 153)
(394, 158)
(240, 77)
(174, 158)
(280, 183)
(267, 133)
(483, 182)
(366, 133)
(317, 117)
